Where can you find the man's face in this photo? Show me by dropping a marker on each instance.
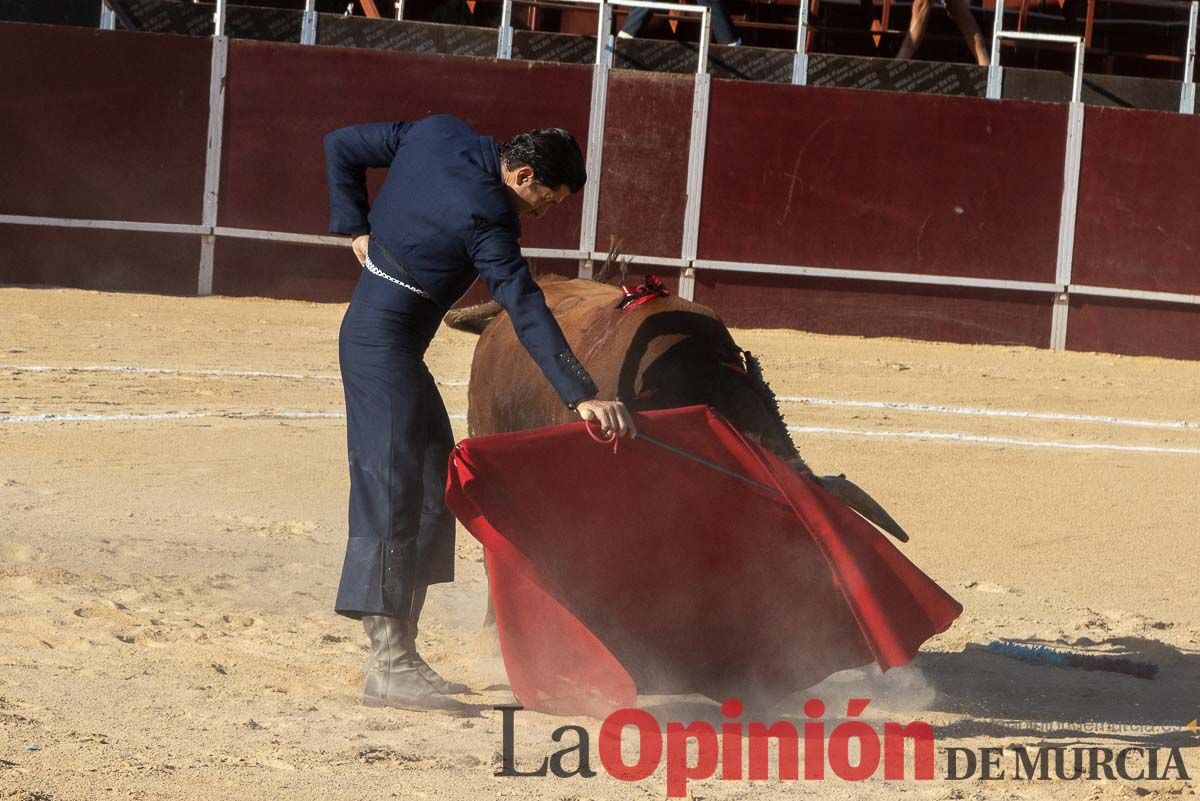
(533, 197)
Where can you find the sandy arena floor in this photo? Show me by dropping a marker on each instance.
(168, 558)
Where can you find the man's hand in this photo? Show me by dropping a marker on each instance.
(611, 415)
(359, 246)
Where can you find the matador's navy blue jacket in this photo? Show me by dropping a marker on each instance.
(442, 218)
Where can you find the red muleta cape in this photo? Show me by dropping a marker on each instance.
(642, 570)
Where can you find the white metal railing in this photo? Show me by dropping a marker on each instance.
(308, 28)
(604, 10)
(869, 276)
(995, 72)
(504, 37)
(208, 230)
(505, 34)
(705, 22)
(1187, 96)
(800, 59)
(108, 17)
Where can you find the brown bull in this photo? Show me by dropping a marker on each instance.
(665, 353)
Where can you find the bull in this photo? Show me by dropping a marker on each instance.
(664, 353)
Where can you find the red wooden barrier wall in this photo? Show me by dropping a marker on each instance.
(120, 261)
(1138, 227)
(871, 308)
(643, 186)
(882, 181)
(100, 126)
(107, 125)
(282, 99)
(1138, 223)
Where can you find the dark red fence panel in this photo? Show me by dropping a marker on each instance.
(876, 309)
(284, 270)
(112, 125)
(282, 99)
(318, 273)
(643, 186)
(1139, 202)
(94, 258)
(479, 293)
(882, 181)
(102, 124)
(1134, 328)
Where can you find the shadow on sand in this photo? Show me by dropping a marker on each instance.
(993, 696)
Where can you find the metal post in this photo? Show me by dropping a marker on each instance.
(108, 17)
(308, 27)
(1077, 78)
(705, 33)
(695, 184)
(800, 60)
(505, 36)
(212, 161)
(995, 75)
(1066, 225)
(399, 9)
(603, 33)
(1187, 97)
(598, 108)
(219, 19)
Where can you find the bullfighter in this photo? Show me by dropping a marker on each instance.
(446, 214)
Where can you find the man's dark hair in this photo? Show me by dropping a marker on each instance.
(552, 154)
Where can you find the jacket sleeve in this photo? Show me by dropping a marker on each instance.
(497, 257)
(348, 153)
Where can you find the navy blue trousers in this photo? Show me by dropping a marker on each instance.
(399, 439)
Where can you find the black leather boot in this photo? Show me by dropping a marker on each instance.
(429, 674)
(393, 675)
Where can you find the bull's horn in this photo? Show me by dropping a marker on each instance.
(473, 319)
(857, 499)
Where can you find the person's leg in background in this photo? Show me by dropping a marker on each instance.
(960, 12)
(723, 28)
(633, 23)
(916, 29)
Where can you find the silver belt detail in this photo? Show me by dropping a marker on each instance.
(371, 268)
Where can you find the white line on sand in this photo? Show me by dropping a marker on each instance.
(843, 402)
(954, 436)
(979, 412)
(121, 368)
(951, 436)
(69, 417)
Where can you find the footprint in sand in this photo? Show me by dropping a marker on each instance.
(272, 530)
(987, 586)
(17, 552)
(110, 614)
